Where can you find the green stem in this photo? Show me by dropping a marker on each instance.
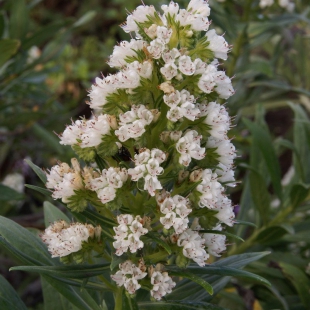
(118, 297)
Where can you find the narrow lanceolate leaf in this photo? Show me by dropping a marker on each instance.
(39, 189)
(73, 272)
(271, 234)
(80, 298)
(264, 142)
(8, 48)
(52, 214)
(193, 277)
(159, 241)
(298, 194)
(38, 171)
(225, 271)
(178, 305)
(53, 299)
(239, 222)
(9, 299)
(300, 281)
(31, 249)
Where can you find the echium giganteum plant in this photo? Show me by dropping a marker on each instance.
(159, 159)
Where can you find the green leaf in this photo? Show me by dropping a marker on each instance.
(224, 271)
(271, 234)
(19, 19)
(9, 299)
(80, 298)
(38, 171)
(260, 195)
(39, 189)
(48, 138)
(178, 305)
(264, 142)
(7, 194)
(193, 277)
(301, 140)
(8, 48)
(298, 194)
(52, 214)
(239, 222)
(300, 281)
(159, 241)
(87, 17)
(53, 299)
(31, 249)
(73, 272)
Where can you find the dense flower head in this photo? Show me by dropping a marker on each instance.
(63, 238)
(161, 155)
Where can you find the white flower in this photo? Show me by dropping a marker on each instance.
(162, 284)
(170, 56)
(176, 211)
(193, 246)
(225, 211)
(128, 276)
(156, 48)
(199, 6)
(215, 243)
(128, 233)
(63, 239)
(186, 66)
(139, 15)
(164, 34)
(217, 44)
(169, 71)
(148, 167)
(105, 185)
(132, 123)
(225, 174)
(210, 189)
(216, 117)
(125, 50)
(224, 148)
(172, 9)
(86, 133)
(64, 181)
(189, 147)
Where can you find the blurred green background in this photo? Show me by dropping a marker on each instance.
(50, 53)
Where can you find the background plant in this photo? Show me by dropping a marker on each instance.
(268, 73)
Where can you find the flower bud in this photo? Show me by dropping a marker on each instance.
(75, 165)
(175, 135)
(166, 87)
(182, 176)
(156, 115)
(196, 175)
(151, 31)
(165, 136)
(181, 261)
(112, 121)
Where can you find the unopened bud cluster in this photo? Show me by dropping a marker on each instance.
(157, 147)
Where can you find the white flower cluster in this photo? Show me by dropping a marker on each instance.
(148, 167)
(133, 123)
(181, 105)
(64, 180)
(176, 211)
(212, 197)
(126, 79)
(63, 238)
(87, 133)
(189, 147)
(106, 184)
(193, 246)
(128, 234)
(215, 243)
(128, 276)
(162, 284)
